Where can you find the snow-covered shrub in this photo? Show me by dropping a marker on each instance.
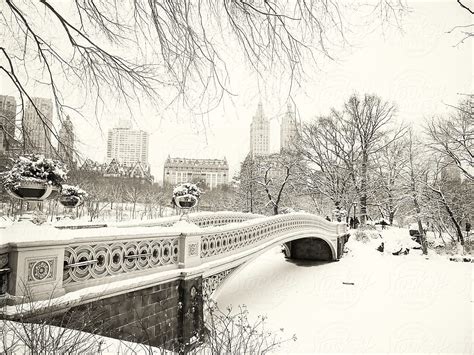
(73, 191)
(232, 331)
(35, 168)
(187, 189)
(286, 210)
(366, 233)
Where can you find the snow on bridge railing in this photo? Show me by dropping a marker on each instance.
(46, 261)
(201, 219)
(237, 238)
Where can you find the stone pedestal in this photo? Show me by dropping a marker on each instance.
(36, 268)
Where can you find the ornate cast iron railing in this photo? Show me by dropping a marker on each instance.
(66, 264)
(84, 262)
(240, 237)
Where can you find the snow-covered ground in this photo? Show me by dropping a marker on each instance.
(16, 339)
(366, 302)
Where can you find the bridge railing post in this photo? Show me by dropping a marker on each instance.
(189, 250)
(36, 273)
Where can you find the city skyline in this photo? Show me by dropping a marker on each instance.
(127, 145)
(390, 62)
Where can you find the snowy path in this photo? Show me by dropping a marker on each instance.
(396, 305)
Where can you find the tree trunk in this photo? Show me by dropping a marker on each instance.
(451, 216)
(424, 244)
(391, 209)
(363, 189)
(391, 217)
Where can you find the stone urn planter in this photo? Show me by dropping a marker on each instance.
(30, 190)
(185, 197)
(34, 178)
(72, 197)
(186, 201)
(71, 201)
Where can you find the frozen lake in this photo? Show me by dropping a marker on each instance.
(396, 304)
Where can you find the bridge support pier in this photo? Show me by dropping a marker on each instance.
(168, 315)
(190, 317)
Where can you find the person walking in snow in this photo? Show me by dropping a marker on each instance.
(351, 223)
(356, 223)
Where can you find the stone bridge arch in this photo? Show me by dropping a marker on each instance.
(305, 246)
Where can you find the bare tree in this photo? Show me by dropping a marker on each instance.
(353, 135)
(466, 31)
(135, 192)
(369, 118)
(323, 169)
(267, 181)
(453, 137)
(131, 49)
(390, 162)
(415, 176)
(247, 193)
(449, 193)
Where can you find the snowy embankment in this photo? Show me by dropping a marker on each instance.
(367, 302)
(29, 338)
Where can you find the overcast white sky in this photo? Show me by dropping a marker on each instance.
(418, 68)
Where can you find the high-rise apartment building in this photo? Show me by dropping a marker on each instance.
(66, 141)
(259, 133)
(213, 172)
(7, 116)
(288, 130)
(127, 145)
(37, 126)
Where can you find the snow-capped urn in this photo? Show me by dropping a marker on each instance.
(186, 195)
(72, 196)
(33, 177)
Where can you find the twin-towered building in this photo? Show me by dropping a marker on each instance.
(260, 132)
(288, 130)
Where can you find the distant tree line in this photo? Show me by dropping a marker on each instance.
(360, 159)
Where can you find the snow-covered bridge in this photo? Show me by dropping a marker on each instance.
(158, 270)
